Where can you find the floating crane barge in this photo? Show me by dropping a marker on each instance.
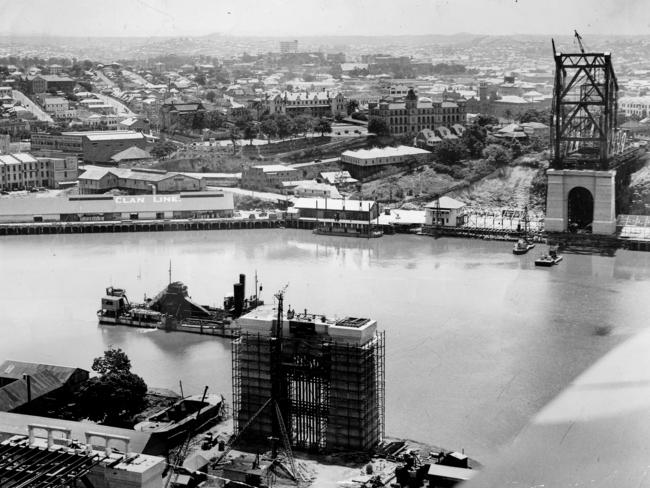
(172, 309)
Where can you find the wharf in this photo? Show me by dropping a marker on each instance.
(83, 227)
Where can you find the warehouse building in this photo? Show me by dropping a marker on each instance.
(116, 208)
(96, 147)
(100, 179)
(36, 388)
(364, 162)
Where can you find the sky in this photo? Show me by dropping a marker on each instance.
(297, 18)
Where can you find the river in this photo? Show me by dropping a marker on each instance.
(477, 340)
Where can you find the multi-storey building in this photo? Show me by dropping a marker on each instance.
(364, 162)
(267, 176)
(639, 106)
(22, 170)
(408, 117)
(179, 115)
(61, 169)
(317, 104)
(95, 147)
(288, 47)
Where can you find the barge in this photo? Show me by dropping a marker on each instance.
(190, 414)
(335, 230)
(173, 310)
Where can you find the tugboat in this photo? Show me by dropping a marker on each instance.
(524, 244)
(549, 259)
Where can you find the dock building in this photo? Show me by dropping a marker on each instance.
(84, 208)
(339, 211)
(445, 211)
(327, 377)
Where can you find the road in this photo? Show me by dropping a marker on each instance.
(120, 108)
(31, 106)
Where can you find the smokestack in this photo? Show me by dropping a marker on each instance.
(238, 292)
(28, 380)
(242, 282)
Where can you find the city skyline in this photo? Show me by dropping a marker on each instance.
(293, 18)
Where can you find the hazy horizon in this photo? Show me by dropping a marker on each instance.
(309, 18)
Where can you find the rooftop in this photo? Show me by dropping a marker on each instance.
(274, 168)
(333, 204)
(131, 153)
(385, 152)
(445, 202)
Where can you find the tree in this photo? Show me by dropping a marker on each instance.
(474, 139)
(484, 120)
(269, 128)
(449, 152)
(284, 124)
(302, 124)
(116, 393)
(533, 115)
(234, 136)
(211, 96)
(162, 149)
(243, 120)
(200, 79)
(378, 126)
(250, 132)
(323, 126)
(352, 106)
(497, 155)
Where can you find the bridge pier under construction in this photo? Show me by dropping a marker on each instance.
(581, 198)
(319, 382)
(591, 158)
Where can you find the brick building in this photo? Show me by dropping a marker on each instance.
(175, 115)
(316, 104)
(408, 117)
(267, 176)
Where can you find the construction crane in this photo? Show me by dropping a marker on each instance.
(579, 40)
(273, 402)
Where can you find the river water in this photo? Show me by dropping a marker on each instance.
(477, 340)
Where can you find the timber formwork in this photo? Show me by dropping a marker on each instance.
(333, 392)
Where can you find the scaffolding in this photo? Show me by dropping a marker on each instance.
(331, 393)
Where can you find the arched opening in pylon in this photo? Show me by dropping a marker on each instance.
(581, 208)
